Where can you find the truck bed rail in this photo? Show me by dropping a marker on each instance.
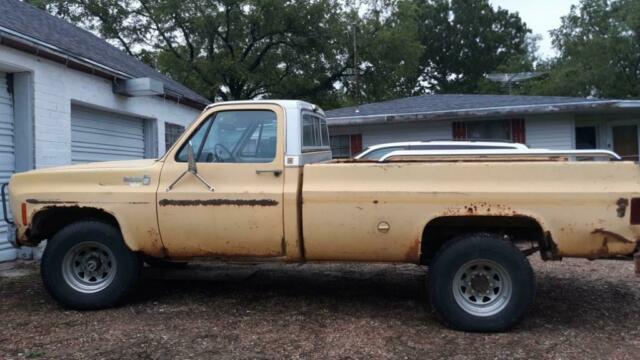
(572, 154)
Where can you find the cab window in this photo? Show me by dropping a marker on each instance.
(315, 133)
(244, 136)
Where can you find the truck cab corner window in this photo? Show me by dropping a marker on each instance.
(248, 136)
(315, 133)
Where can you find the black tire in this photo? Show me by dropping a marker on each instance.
(450, 298)
(72, 239)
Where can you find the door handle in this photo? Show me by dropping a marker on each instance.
(275, 173)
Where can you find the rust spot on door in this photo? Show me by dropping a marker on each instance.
(71, 202)
(236, 254)
(219, 202)
(155, 246)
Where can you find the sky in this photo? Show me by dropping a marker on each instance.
(540, 16)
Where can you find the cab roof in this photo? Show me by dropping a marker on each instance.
(287, 104)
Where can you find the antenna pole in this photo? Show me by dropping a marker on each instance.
(356, 85)
(355, 64)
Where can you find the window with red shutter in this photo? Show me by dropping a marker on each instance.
(459, 130)
(517, 131)
(509, 130)
(356, 144)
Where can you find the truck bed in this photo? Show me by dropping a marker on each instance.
(347, 205)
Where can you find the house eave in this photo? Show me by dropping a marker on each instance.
(47, 51)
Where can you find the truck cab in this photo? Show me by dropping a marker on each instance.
(249, 164)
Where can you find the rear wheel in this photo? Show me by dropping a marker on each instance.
(480, 282)
(86, 265)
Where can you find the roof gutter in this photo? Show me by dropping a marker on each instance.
(42, 49)
(628, 104)
(498, 111)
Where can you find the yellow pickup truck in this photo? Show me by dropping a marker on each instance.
(254, 181)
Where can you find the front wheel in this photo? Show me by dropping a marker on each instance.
(86, 265)
(480, 282)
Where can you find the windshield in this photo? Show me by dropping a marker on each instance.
(247, 136)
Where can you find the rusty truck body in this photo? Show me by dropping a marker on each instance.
(254, 180)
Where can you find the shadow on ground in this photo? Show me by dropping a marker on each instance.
(350, 282)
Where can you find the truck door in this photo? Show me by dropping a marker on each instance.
(239, 153)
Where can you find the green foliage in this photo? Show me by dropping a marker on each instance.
(389, 51)
(464, 40)
(599, 47)
(243, 49)
(227, 49)
(440, 46)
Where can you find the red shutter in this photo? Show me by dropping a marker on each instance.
(356, 144)
(459, 130)
(517, 131)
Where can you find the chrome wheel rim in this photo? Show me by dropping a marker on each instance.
(89, 267)
(482, 287)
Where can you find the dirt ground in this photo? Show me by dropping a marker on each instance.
(583, 310)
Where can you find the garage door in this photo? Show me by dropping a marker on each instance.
(7, 157)
(101, 136)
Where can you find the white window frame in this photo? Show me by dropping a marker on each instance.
(322, 125)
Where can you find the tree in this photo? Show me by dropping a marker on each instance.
(599, 46)
(226, 49)
(411, 47)
(388, 52)
(464, 40)
(243, 49)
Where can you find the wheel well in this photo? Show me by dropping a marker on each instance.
(47, 222)
(525, 231)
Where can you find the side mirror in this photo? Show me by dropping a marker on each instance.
(191, 159)
(191, 168)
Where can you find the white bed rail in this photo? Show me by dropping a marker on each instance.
(572, 154)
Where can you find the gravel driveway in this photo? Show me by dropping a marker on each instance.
(583, 310)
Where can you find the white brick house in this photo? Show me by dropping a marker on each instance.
(66, 97)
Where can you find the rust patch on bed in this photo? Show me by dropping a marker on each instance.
(218, 202)
(413, 252)
(482, 209)
(611, 235)
(608, 238)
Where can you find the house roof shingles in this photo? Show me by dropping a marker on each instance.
(456, 103)
(35, 23)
